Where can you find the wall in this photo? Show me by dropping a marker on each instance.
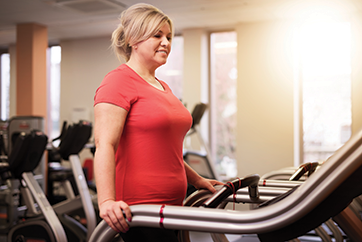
(195, 77)
(195, 66)
(84, 64)
(264, 97)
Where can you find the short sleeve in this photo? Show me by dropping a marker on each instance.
(116, 88)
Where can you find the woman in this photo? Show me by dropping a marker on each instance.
(139, 128)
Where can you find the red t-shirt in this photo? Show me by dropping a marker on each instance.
(149, 161)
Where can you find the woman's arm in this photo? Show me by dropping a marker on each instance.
(109, 123)
(199, 182)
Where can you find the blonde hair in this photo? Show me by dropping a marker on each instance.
(137, 23)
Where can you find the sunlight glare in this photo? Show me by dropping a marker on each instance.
(326, 49)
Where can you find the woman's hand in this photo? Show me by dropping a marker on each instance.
(207, 184)
(198, 181)
(112, 212)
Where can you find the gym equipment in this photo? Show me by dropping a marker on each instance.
(199, 161)
(287, 172)
(25, 124)
(72, 142)
(325, 194)
(8, 197)
(25, 156)
(57, 173)
(270, 190)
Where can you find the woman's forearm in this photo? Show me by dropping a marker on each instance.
(191, 175)
(104, 170)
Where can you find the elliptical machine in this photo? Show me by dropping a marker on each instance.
(78, 199)
(39, 221)
(60, 226)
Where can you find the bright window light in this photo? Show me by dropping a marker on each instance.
(5, 86)
(324, 50)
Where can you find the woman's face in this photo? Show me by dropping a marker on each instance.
(155, 50)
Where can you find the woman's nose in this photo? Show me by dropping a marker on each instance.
(165, 41)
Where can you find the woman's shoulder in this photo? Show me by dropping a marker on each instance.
(117, 86)
(119, 79)
(121, 76)
(121, 71)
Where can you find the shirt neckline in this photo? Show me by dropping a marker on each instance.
(163, 86)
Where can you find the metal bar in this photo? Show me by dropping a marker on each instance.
(84, 194)
(350, 224)
(308, 195)
(45, 207)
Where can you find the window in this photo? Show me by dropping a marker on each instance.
(54, 59)
(5, 86)
(223, 79)
(326, 88)
(53, 70)
(171, 72)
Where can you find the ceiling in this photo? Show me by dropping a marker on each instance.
(66, 19)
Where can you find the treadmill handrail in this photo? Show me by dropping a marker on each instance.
(308, 195)
(232, 187)
(309, 167)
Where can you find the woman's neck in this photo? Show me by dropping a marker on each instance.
(143, 70)
(146, 74)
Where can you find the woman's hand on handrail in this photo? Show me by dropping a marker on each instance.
(115, 213)
(207, 184)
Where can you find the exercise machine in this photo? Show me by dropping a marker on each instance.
(324, 195)
(201, 162)
(72, 143)
(25, 124)
(78, 199)
(38, 222)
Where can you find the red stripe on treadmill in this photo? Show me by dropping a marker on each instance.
(161, 215)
